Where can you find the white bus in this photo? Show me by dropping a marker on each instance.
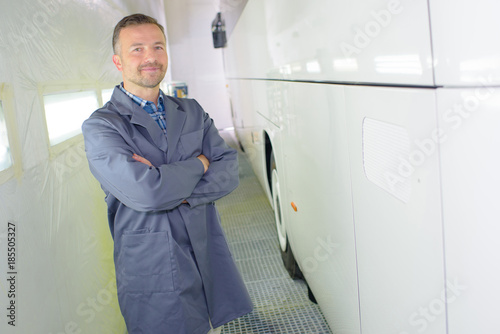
(374, 128)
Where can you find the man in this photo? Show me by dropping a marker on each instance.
(161, 164)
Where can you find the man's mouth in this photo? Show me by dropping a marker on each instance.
(149, 69)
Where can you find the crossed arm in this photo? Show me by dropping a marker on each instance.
(163, 187)
(145, 161)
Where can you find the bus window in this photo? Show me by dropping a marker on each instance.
(5, 157)
(65, 113)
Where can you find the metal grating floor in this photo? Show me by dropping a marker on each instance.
(281, 304)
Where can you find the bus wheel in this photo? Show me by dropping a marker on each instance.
(286, 252)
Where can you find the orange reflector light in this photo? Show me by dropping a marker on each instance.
(294, 207)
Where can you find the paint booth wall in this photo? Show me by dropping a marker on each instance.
(193, 57)
(56, 266)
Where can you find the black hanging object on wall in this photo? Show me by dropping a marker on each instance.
(219, 31)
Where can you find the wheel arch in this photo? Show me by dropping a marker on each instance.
(268, 151)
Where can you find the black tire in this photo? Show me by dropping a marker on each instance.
(310, 294)
(290, 264)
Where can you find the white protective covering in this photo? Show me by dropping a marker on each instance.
(63, 274)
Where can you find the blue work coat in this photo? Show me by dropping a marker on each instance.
(173, 266)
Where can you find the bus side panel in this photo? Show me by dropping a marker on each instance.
(269, 105)
(247, 54)
(465, 41)
(375, 41)
(351, 40)
(470, 160)
(397, 212)
(321, 231)
(249, 125)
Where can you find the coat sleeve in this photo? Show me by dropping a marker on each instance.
(222, 175)
(133, 183)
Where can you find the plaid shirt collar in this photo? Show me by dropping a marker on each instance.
(157, 113)
(143, 102)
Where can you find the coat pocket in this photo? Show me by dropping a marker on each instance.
(190, 144)
(144, 262)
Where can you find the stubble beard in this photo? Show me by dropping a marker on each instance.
(148, 80)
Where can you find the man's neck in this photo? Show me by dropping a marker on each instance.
(149, 94)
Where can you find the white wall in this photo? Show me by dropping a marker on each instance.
(193, 58)
(64, 281)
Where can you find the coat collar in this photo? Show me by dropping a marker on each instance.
(175, 118)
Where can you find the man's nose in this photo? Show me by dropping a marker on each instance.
(149, 56)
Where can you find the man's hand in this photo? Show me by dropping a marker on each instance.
(204, 160)
(143, 160)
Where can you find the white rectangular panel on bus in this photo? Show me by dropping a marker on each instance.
(399, 239)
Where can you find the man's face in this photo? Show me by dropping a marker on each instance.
(142, 56)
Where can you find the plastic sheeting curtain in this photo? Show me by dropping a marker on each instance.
(56, 266)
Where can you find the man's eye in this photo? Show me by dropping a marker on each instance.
(159, 48)
(137, 49)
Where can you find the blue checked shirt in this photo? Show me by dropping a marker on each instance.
(158, 114)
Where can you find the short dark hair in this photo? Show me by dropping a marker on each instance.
(134, 19)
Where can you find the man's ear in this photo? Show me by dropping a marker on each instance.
(118, 62)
